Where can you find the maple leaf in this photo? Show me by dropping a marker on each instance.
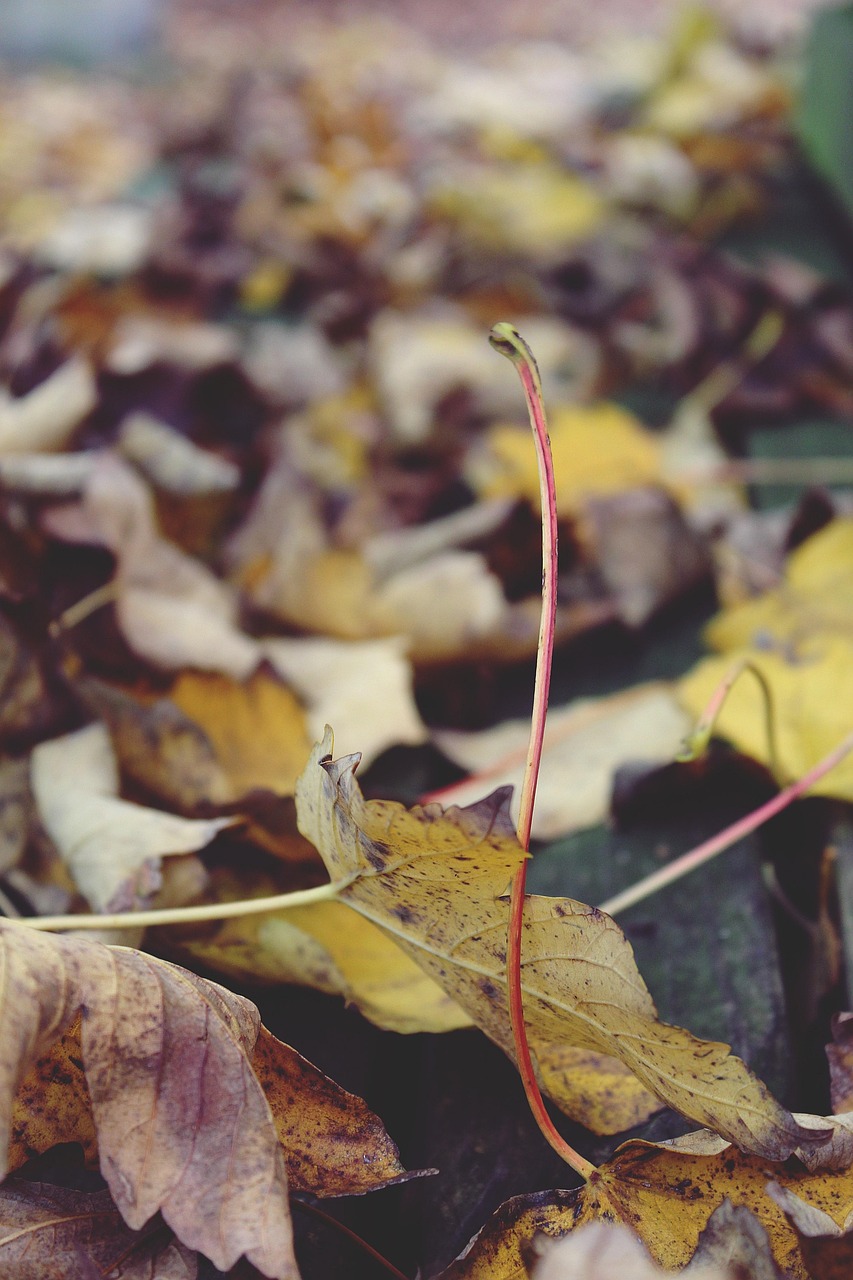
(667, 1194)
(434, 881)
(190, 1098)
(53, 1233)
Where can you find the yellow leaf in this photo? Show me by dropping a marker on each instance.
(257, 727)
(812, 701)
(434, 880)
(815, 600)
(331, 948)
(537, 209)
(666, 1196)
(597, 449)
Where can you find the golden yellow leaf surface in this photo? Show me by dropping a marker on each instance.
(814, 601)
(257, 727)
(434, 880)
(812, 698)
(666, 1197)
(597, 449)
(534, 208)
(327, 946)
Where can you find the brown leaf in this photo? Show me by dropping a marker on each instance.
(826, 1245)
(433, 880)
(183, 1125)
(333, 1145)
(54, 1233)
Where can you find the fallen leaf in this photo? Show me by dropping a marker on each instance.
(585, 741)
(735, 1241)
(538, 209)
(667, 1197)
(16, 810)
(597, 450)
(605, 1251)
(158, 745)
(644, 549)
(333, 1145)
(364, 687)
(51, 1233)
(812, 602)
(256, 728)
(811, 694)
(111, 847)
(183, 1125)
(45, 418)
(329, 947)
(171, 462)
(840, 1056)
(433, 880)
(826, 1245)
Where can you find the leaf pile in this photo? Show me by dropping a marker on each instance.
(260, 473)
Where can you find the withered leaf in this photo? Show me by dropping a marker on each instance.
(54, 1233)
(333, 1145)
(111, 847)
(183, 1125)
(434, 880)
(667, 1197)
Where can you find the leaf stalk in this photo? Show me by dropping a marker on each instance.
(508, 342)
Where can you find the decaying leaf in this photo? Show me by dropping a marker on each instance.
(605, 1251)
(53, 1233)
(256, 727)
(584, 741)
(45, 418)
(111, 847)
(183, 1126)
(840, 1057)
(193, 1108)
(598, 450)
(329, 947)
(364, 687)
(667, 1197)
(811, 691)
(814, 601)
(826, 1245)
(433, 881)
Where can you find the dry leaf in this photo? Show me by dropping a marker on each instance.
(814, 601)
(333, 1145)
(256, 728)
(667, 1197)
(434, 880)
(585, 741)
(45, 418)
(605, 1251)
(171, 461)
(365, 688)
(598, 450)
(812, 693)
(826, 1246)
(840, 1057)
(53, 1233)
(183, 1125)
(111, 847)
(329, 947)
